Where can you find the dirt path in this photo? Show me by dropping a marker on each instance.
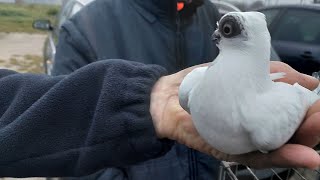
(21, 51)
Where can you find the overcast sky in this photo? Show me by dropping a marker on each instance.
(35, 1)
(275, 1)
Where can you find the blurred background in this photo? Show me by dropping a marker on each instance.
(21, 46)
(29, 30)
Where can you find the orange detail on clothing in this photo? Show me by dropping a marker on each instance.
(180, 6)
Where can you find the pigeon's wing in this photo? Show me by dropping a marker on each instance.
(276, 76)
(279, 111)
(188, 83)
(272, 117)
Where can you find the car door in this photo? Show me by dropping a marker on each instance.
(52, 40)
(67, 11)
(296, 38)
(272, 14)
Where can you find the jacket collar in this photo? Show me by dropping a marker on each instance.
(156, 9)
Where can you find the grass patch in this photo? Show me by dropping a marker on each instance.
(26, 64)
(35, 64)
(19, 17)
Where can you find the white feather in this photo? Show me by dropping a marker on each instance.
(190, 81)
(277, 76)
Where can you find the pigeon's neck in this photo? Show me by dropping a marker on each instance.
(251, 66)
(254, 57)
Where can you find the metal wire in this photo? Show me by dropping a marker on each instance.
(298, 173)
(234, 171)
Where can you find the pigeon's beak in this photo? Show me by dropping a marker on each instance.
(216, 36)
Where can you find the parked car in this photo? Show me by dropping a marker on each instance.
(295, 31)
(245, 5)
(68, 9)
(225, 7)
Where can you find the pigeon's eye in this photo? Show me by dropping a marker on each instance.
(229, 27)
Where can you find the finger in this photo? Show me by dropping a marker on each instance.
(308, 133)
(304, 80)
(289, 156)
(293, 76)
(315, 108)
(277, 66)
(295, 156)
(307, 81)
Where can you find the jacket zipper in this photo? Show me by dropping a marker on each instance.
(180, 62)
(179, 44)
(192, 164)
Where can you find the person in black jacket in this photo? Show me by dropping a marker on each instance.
(150, 32)
(94, 118)
(115, 113)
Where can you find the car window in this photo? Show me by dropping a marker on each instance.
(65, 11)
(299, 26)
(270, 14)
(77, 6)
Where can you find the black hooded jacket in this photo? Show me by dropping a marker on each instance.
(150, 32)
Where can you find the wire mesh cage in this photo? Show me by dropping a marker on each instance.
(234, 171)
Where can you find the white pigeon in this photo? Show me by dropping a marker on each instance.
(234, 104)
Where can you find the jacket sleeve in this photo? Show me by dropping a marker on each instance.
(75, 125)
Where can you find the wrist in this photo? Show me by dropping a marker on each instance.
(162, 92)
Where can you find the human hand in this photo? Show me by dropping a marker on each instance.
(170, 119)
(172, 122)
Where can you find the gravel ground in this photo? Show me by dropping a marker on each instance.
(22, 52)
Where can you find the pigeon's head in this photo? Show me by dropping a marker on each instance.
(242, 28)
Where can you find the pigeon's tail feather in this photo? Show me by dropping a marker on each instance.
(276, 76)
(317, 90)
(310, 96)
